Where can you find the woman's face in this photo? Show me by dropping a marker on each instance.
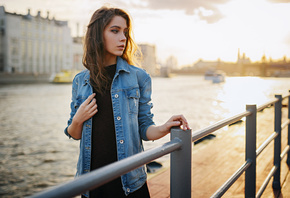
(115, 36)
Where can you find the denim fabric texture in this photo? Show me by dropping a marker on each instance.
(131, 100)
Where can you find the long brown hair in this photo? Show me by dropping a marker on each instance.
(94, 49)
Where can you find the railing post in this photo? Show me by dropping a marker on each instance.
(180, 165)
(277, 143)
(288, 155)
(251, 130)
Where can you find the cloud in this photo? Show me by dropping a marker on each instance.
(206, 9)
(279, 1)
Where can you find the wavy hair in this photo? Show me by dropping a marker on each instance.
(94, 49)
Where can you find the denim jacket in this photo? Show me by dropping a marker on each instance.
(131, 96)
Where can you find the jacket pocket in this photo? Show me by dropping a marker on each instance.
(133, 96)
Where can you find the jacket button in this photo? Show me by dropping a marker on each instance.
(128, 190)
(116, 95)
(121, 141)
(118, 118)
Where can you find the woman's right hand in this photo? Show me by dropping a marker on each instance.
(86, 110)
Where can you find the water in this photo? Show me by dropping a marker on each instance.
(35, 153)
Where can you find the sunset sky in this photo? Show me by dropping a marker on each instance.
(187, 29)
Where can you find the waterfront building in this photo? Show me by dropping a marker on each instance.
(171, 63)
(34, 44)
(149, 58)
(243, 59)
(77, 52)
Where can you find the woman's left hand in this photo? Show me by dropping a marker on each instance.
(176, 120)
(156, 132)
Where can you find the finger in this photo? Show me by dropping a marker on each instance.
(92, 103)
(174, 123)
(182, 121)
(93, 108)
(94, 112)
(178, 117)
(185, 125)
(89, 99)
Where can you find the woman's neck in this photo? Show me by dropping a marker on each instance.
(110, 60)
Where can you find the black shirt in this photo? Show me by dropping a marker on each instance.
(104, 146)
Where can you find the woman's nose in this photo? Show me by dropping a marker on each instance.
(123, 37)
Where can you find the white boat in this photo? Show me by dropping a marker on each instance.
(215, 76)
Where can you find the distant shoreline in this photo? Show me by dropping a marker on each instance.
(6, 78)
(17, 78)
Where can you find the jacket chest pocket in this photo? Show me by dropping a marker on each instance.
(133, 96)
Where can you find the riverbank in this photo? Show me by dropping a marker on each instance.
(15, 78)
(214, 161)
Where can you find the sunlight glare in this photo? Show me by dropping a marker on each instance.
(240, 91)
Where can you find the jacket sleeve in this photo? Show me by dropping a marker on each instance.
(72, 105)
(145, 116)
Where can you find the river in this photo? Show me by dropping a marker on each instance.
(35, 153)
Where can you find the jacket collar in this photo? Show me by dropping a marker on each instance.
(122, 65)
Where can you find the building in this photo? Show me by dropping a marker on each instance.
(149, 58)
(77, 52)
(243, 59)
(34, 44)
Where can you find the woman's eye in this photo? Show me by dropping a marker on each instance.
(126, 33)
(115, 31)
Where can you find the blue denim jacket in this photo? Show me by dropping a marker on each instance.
(131, 96)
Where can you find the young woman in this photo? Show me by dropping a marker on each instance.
(110, 108)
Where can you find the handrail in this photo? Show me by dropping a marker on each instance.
(218, 125)
(275, 171)
(267, 104)
(284, 125)
(286, 96)
(285, 151)
(266, 143)
(232, 180)
(105, 174)
(181, 161)
(265, 183)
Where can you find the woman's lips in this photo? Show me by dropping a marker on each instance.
(121, 47)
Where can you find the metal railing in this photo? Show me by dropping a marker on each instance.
(249, 167)
(180, 145)
(180, 148)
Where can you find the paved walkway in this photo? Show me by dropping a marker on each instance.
(214, 161)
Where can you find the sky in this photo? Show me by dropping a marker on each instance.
(186, 29)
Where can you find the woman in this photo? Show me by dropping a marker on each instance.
(110, 108)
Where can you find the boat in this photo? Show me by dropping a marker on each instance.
(216, 76)
(65, 76)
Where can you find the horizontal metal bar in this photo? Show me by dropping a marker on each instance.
(264, 185)
(285, 124)
(232, 179)
(266, 143)
(112, 171)
(196, 135)
(265, 105)
(286, 96)
(285, 151)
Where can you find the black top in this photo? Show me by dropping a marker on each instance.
(104, 149)
(104, 146)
